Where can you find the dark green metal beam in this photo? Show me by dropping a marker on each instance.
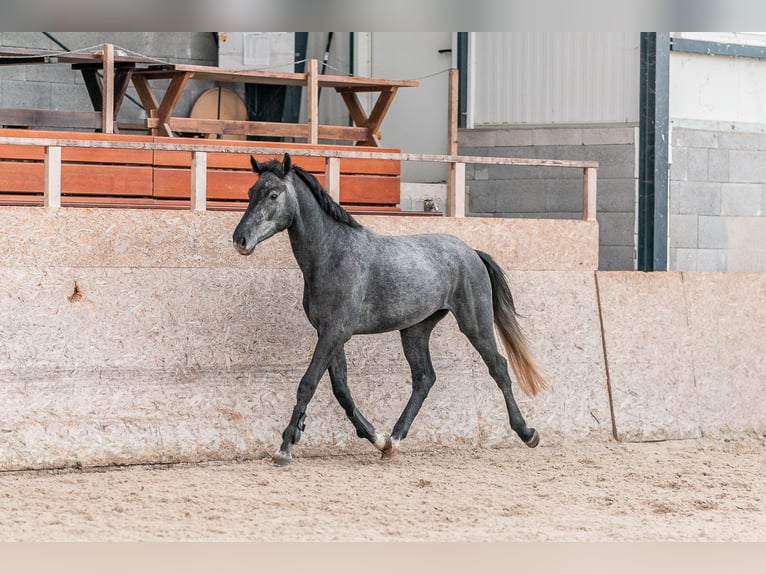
(653, 152)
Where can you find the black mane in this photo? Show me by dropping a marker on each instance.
(328, 205)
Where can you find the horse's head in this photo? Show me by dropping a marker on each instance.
(272, 205)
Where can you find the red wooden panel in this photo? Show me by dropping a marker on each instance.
(176, 183)
(83, 179)
(21, 177)
(367, 189)
(27, 152)
(107, 156)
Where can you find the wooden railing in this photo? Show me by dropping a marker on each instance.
(456, 190)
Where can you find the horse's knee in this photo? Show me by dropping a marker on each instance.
(423, 382)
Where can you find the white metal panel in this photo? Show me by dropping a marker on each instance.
(555, 77)
(717, 88)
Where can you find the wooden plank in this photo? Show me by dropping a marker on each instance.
(198, 186)
(107, 109)
(52, 178)
(367, 189)
(56, 137)
(312, 102)
(589, 194)
(452, 111)
(358, 116)
(83, 155)
(147, 97)
(22, 177)
(379, 110)
(121, 84)
(170, 100)
(175, 183)
(107, 156)
(295, 149)
(344, 133)
(28, 152)
(232, 127)
(456, 190)
(21, 199)
(241, 161)
(82, 179)
(276, 78)
(332, 177)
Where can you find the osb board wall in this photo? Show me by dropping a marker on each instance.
(685, 353)
(175, 348)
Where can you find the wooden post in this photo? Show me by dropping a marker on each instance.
(589, 193)
(452, 110)
(107, 108)
(332, 177)
(199, 181)
(455, 171)
(456, 190)
(52, 191)
(312, 102)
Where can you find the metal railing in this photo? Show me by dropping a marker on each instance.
(456, 189)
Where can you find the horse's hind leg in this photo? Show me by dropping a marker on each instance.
(478, 327)
(415, 341)
(338, 378)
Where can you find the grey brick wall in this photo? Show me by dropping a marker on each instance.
(57, 86)
(511, 191)
(717, 200)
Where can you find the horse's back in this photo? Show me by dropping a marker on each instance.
(411, 277)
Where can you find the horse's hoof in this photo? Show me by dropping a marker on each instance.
(390, 450)
(281, 459)
(534, 441)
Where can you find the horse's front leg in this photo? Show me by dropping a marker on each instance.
(326, 348)
(339, 380)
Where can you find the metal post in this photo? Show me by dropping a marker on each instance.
(653, 152)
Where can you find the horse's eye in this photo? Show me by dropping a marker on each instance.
(274, 195)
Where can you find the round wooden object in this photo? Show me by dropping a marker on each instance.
(220, 104)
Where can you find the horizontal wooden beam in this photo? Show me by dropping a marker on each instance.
(297, 151)
(274, 129)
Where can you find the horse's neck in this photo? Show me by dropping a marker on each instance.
(314, 234)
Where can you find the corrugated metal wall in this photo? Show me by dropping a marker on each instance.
(555, 77)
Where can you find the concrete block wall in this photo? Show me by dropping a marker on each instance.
(511, 191)
(57, 86)
(717, 199)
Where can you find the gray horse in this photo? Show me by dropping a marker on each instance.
(357, 281)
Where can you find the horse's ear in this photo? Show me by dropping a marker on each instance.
(287, 163)
(255, 164)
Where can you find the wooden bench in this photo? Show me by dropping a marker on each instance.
(149, 178)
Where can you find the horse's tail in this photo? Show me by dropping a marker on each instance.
(523, 364)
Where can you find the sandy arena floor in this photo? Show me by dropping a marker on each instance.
(700, 490)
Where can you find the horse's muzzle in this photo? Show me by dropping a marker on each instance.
(240, 244)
